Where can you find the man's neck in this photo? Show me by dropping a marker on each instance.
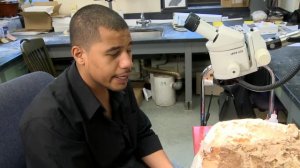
(100, 92)
(104, 98)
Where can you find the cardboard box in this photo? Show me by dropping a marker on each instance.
(135, 73)
(55, 5)
(39, 21)
(208, 90)
(138, 91)
(234, 3)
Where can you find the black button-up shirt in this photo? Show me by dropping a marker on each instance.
(65, 126)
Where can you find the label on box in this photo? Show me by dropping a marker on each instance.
(237, 1)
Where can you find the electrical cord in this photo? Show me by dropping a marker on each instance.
(208, 108)
(265, 88)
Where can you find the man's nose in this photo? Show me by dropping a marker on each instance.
(126, 61)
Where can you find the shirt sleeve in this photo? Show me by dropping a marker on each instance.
(47, 148)
(147, 141)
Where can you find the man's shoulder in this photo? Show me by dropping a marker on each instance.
(44, 105)
(47, 103)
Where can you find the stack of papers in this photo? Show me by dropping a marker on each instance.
(266, 27)
(61, 24)
(47, 9)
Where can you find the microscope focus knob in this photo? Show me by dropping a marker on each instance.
(262, 57)
(233, 69)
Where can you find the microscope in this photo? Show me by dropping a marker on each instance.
(234, 54)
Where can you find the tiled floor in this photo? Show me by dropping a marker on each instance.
(174, 127)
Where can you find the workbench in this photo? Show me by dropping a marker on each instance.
(283, 60)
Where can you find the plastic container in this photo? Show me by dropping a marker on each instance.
(3, 28)
(152, 86)
(273, 118)
(164, 92)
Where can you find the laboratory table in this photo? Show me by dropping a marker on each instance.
(283, 60)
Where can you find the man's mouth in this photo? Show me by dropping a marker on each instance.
(122, 77)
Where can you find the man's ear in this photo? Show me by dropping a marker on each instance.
(78, 54)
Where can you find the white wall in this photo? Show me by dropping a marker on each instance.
(124, 6)
(289, 5)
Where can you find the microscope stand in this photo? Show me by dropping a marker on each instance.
(203, 115)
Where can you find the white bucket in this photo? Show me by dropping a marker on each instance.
(163, 91)
(152, 85)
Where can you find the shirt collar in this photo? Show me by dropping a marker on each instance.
(87, 101)
(116, 98)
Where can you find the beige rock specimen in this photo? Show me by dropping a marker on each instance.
(249, 143)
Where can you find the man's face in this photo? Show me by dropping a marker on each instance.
(108, 62)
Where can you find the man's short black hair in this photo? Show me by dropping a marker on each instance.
(85, 24)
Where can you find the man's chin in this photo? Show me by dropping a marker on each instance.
(118, 87)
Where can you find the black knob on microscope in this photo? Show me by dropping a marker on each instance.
(192, 22)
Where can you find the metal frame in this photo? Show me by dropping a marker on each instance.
(203, 121)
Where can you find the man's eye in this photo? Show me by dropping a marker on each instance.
(114, 54)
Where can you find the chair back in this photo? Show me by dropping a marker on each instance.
(36, 56)
(15, 96)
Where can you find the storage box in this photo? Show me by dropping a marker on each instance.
(55, 5)
(208, 90)
(138, 91)
(234, 3)
(39, 21)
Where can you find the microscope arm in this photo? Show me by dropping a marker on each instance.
(283, 40)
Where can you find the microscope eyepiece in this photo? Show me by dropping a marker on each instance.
(192, 22)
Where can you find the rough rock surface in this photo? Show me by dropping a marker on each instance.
(249, 143)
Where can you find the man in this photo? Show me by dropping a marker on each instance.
(88, 117)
